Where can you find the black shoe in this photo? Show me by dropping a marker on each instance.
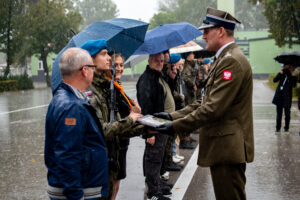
(286, 130)
(158, 197)
(171, 166)
(166, 191)
(186, 145)
(164, 182)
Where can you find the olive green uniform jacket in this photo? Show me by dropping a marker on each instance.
(225, 116)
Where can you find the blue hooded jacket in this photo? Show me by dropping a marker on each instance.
(75, 150)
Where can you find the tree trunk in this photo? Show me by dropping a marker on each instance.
(44, 56)
(8, 55)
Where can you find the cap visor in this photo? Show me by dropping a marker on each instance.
(204, 26)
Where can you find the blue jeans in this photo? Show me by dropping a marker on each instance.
(174, 148)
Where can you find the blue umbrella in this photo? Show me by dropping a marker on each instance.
(122, 35)
(167, 36)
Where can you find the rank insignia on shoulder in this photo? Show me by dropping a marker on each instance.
(227, 75)
(70, 121)
(88, 93)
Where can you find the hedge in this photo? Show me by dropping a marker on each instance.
(9, 85)
(21, 82)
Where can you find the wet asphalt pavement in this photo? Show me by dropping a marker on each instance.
(274, 174)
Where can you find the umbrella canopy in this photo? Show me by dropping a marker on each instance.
(290, 58)
(167, 36)
(134, 60)
(188, 47)
(122, 35)
(203, 53)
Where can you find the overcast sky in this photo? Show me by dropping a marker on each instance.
(137, 9)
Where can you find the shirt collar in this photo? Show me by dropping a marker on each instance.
(222, 48)
(78, 93)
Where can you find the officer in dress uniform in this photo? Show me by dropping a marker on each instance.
(225, 114)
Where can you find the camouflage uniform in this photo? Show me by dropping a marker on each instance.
(200, 82)
(100, 99)
(188, 75)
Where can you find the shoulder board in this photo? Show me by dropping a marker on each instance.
(227, 55)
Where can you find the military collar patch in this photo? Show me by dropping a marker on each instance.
(227, 75)
(88, 93)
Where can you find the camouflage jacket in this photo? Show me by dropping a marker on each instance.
(122, 128)
(189, 74)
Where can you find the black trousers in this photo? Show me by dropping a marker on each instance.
(287, 113)
(229, 181)
(153, 159)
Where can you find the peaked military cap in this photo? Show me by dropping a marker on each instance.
(218, 18)
(94, 46)
(174, 58)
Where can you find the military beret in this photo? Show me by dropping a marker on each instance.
(94, 46)
(174, 58)
(185, 55)
(206, 61)
(218, 18)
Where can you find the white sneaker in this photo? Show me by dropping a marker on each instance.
(179, 157)
(176, 160)
(166, 175)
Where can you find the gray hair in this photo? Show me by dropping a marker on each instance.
(72, 60)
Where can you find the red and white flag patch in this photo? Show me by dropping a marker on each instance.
(227, 75)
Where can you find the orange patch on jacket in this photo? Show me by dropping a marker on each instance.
(70, 121)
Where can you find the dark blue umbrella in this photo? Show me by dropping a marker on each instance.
(122, 35)
(167, 36)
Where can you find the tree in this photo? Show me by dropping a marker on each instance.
(97, 10)
(47, 27)
(250, 16)
(182, 10)
(10, 38)
(162, 18)
(283, 17)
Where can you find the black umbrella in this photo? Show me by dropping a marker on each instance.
(203, 53)
(290, 58)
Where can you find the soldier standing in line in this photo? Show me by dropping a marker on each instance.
(100, 98)
(224, 116)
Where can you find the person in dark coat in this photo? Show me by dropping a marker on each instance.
(283, 95)
(154, 95)
(75, 149)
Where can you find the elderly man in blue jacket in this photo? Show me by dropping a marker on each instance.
(75, 151)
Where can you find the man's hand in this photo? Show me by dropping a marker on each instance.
(166, 128)
(135, 116)
(151, 140)
(195, 87)
(135, 106)
(163, 115)
(182, 97)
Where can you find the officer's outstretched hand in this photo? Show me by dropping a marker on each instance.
(166, 128)
(163, 115)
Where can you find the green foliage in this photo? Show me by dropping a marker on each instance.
(251, 16)
(284, 20)
(10, 37)
(10, 85)
(47, 28)
(20, 82)
(181, 10)
(97, 10)
(162, 18)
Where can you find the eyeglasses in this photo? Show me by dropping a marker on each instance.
(92, 66)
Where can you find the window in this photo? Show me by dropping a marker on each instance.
(41, 65)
